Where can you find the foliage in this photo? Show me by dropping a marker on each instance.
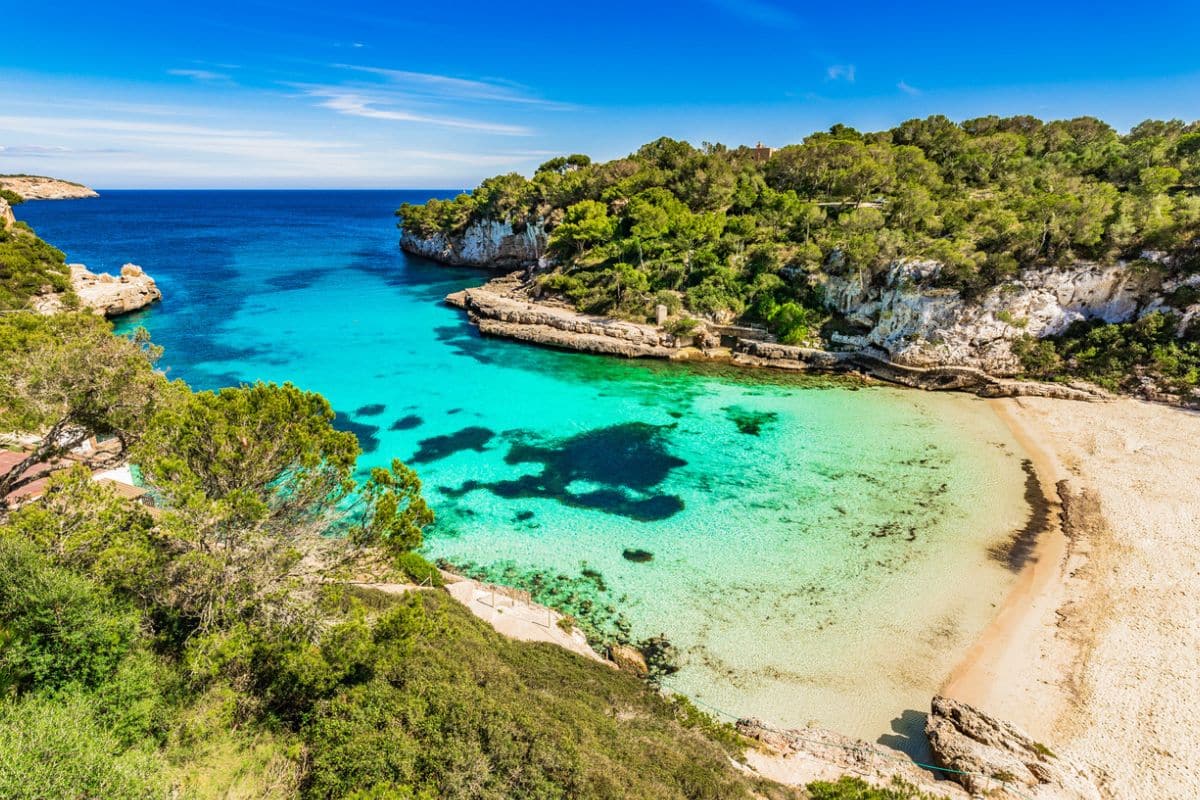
(739, 238)
(70, 379)
(11, 197)
(850, 788)
(28, 267)
(1119, 356)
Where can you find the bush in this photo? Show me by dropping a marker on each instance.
(418, 570)
(57, 628)
(54, 747)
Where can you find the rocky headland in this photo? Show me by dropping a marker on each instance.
(104, 294)
(903, 328)
(38, 187)
(510, 307)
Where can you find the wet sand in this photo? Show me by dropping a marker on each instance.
(1097, 647)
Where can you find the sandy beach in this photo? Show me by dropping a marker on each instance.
(1097, 648)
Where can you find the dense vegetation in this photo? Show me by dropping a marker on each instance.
(1132, 356)
(725, 233)
(222, 645)
(28, 267)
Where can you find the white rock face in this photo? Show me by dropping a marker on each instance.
(917, 325)
(105, 294)
(6, 215)
(485, 243)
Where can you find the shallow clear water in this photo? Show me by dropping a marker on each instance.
(817, 551)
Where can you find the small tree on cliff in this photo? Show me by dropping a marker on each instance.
(66, 379)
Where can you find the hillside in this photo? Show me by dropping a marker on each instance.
(39, 187)
(933, 243)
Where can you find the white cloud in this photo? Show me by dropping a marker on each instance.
(449, 86)
(365, 103)
(840, 72)
(205, 75)
(907, 89)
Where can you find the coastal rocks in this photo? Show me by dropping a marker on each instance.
(501, 308)
(629, 659)
(916, 324)
(798, 757)
(6, 215)
(37, 187)
(494, 244)
(876, 364)
(986, 753)
(106, 294)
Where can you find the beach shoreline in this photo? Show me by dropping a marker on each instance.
(1096, 648)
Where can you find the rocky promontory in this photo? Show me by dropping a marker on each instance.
(509, 307)
(104, 294)
(6, 215)
(38, 187)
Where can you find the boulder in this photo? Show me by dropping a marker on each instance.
(989, 754)
(629, 659)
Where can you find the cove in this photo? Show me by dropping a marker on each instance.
(818, 550)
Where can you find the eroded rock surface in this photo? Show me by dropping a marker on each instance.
(487, 243)
(106, 294)
(914, 323)
(985, 751)
(502, 308)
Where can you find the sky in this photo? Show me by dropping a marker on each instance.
(345, 94)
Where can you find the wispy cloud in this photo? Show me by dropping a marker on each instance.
(908, 89)
(452, 87)
(840, 72)
(759, 12)
(357, 102)
(205, 75)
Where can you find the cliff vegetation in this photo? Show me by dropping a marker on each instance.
(754, 235)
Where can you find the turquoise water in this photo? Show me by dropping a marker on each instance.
(816, 550)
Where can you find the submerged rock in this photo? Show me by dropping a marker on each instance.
(628, 658)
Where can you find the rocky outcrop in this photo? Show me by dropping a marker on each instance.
(493, 244)
(984, 752)
(37, 187)
(797, 757)
(6, 215)
(975, 755)
(876, 364)
(106, 294)
(913, 323)
(503, 308)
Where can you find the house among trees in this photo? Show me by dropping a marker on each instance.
(761, 153)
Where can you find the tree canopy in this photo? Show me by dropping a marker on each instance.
(735, 237)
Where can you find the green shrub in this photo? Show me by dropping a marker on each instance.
(52, 746)
(418, 570)
(56, 627)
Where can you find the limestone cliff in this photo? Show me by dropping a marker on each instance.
(493, 244)
(913, 323)
(105, 294)
(6, 215)
(37, 187)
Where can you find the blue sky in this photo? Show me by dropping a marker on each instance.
(363, 94)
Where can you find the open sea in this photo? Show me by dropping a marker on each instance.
(816, 550)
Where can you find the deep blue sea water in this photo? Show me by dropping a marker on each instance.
(817, 550)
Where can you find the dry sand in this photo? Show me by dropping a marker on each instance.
(1097, 650)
